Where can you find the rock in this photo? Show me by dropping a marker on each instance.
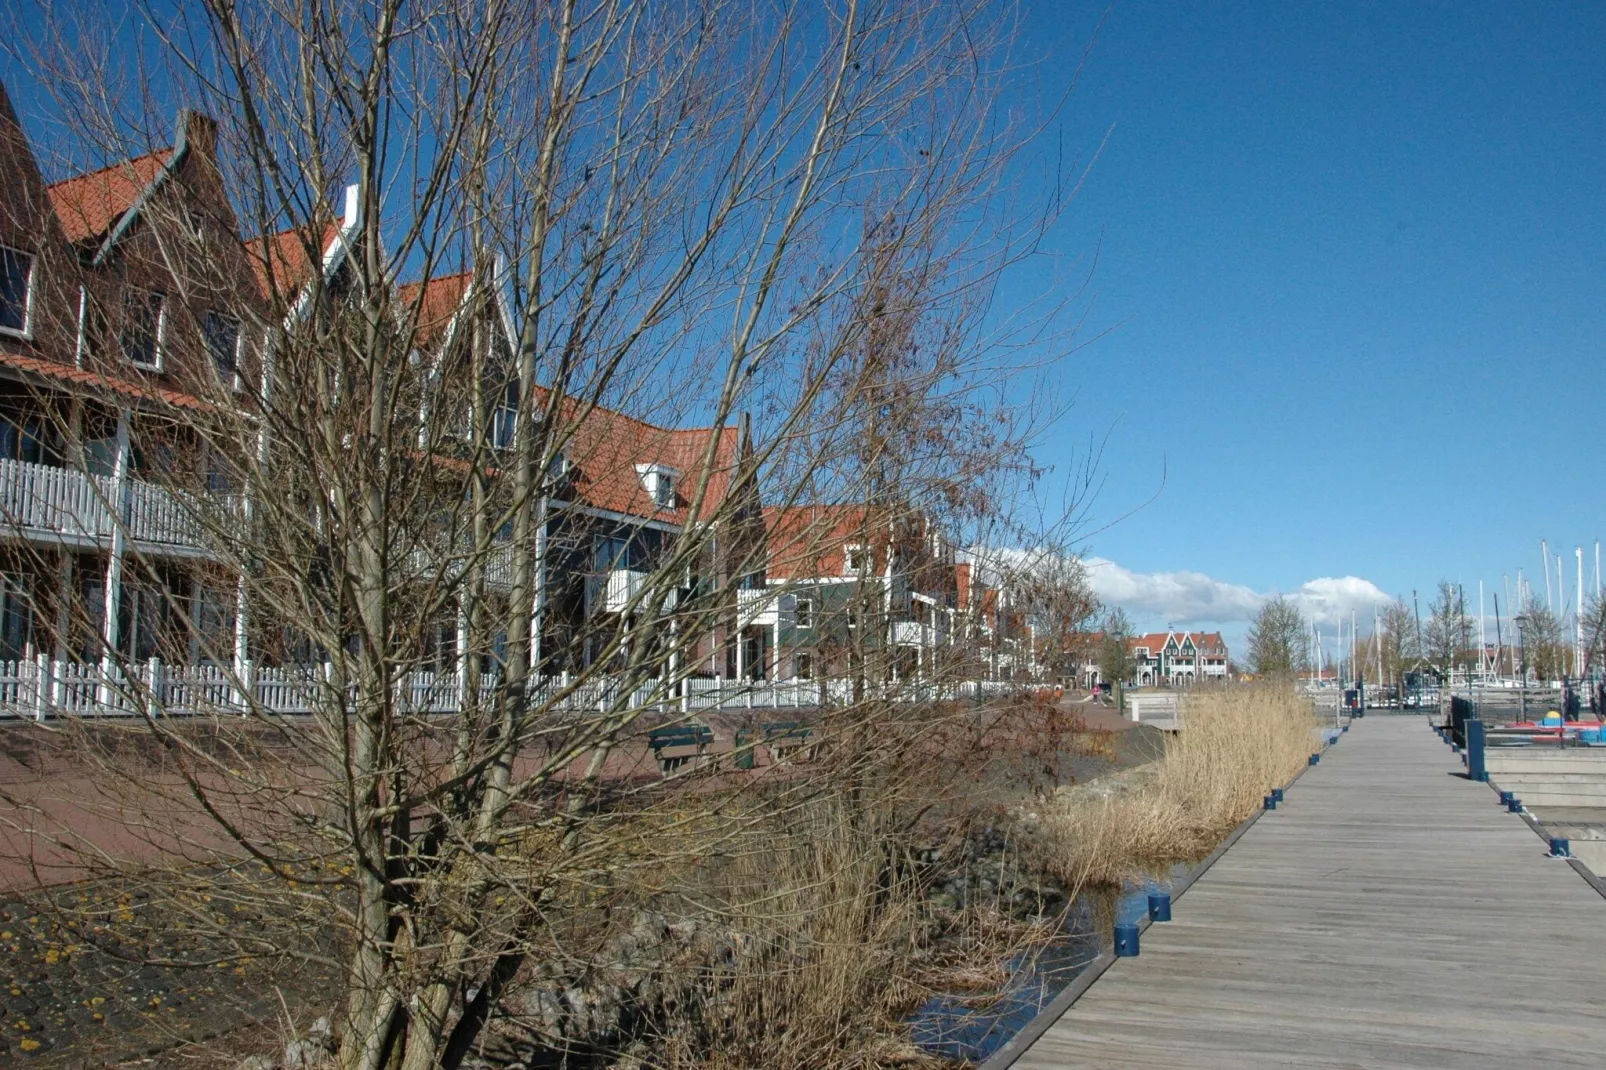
(304, 1055)
(542, 1009)
(257, 1062)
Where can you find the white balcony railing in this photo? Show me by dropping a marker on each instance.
(616, 591)
(38, 499)
(765, 609)
(913, 633)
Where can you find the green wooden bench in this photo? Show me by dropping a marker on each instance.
(787, 739)
(676, 745)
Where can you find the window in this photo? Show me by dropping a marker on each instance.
(141, 338)
(16, 291)
(22, 439)
(100, 456)
(805, 613)
(504, 421)
(803, 666)
(854, 560)
(659, 482)
(16, 619)
(608, 554)
(222, 333)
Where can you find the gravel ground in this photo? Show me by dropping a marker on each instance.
(72, 997)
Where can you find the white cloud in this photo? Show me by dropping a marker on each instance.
(1331, 600)
(1189, 598)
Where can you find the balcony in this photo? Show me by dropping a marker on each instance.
(62, 504)
(764, 609)
(614, 592)
(913, 633)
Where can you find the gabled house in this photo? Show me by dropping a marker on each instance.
(1179, 658)
(845, 579)
(107, 348)
(621, 493)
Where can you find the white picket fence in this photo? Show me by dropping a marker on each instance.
(44, 687)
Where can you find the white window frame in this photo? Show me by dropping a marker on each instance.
(235, 384)
(853, 563)
(26, 332)
(803, 612)
(658, 481)
(160, 341)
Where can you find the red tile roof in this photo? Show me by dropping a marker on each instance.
(606, 446)
(79, 377)
(289, 258)
(808, 541)
(1202, 641)
(438, 301)
(90, 205)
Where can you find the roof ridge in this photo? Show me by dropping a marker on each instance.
(128, 162)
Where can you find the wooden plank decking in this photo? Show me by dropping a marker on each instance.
(1389, 914)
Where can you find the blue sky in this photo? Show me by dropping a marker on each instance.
(1354, 258)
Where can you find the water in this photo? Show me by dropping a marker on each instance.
(973, 1025)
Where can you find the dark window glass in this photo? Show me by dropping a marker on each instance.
(222, 342)
(142, 327)
(609, 554)
(22, 439)
(16, 272)
(16, 619)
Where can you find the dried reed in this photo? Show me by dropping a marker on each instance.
(1235, 745)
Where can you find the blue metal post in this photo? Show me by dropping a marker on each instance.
(1270, 803)
(1560, 848)
(1126, 940)
(1475, 741)
(1514, 805)
(1276, 794)
(1159, 906)
(1506, 797)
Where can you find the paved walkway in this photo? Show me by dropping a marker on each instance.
(1389, 914)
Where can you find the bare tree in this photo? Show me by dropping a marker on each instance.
(1398, 641)
(1539, 632)
(1448, 640)
(620, 218)
(1279, 639)
(1594, 634)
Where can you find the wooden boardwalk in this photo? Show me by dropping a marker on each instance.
(1389, 914)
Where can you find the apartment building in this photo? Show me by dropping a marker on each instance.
(105, 357)
(111, 358)
(844, 580)
(1179, 658)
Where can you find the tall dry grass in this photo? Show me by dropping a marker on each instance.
(827, 944)
(1235, 745)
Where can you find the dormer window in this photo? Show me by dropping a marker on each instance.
(659, 482)
(854, 560)
(144, 314)
(16, 292)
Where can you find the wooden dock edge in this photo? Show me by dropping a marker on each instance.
(1017, 1045)
(1589, 875)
